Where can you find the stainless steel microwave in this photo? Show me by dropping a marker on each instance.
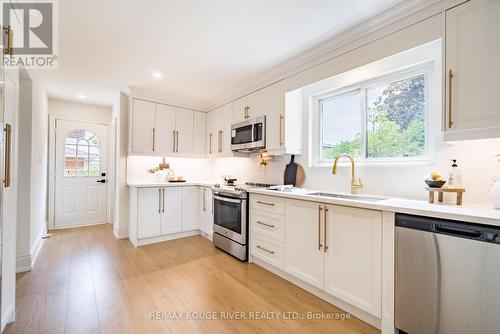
(249, 136)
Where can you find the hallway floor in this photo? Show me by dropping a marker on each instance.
(86, 281)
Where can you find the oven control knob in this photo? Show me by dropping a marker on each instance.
(217, 185)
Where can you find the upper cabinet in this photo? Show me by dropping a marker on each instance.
(283, 120)
(219, 131)
(250, 106)
(159, 129)
(472, 71)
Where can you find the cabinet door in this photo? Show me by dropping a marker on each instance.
(189, 208)
(165, 123)
(225, 136)
(148, 212)
(250, 106)
(171, 221)
(472, 54)
(275, 117)
(143, 124)
(303, 248)
(210, 148)
(200, 129)
(205, 217)
(184, 123)
(353, 256)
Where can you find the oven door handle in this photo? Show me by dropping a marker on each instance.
(226, 199)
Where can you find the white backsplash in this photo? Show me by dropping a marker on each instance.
(476, 160)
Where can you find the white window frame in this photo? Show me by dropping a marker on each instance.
(426, 68)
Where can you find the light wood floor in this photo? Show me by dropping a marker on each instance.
(86, 281)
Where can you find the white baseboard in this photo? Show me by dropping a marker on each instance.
(360, 314)
(148, 241)
(206, 235)
(26, 262)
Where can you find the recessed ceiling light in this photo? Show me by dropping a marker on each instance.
(157, 75)
(82, 97)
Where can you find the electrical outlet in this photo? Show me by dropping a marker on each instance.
(494, 177)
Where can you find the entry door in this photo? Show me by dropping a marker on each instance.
(81, 170)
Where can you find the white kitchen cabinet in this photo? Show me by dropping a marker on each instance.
(205, 211)
(219, 131)
(303, 241)
(189, 208)
(199, 135)
(250, 106)
(283, 120)
(353, 256)
(143, 126)
(164, 129)
(149, 216)
(184, 126)
(472, 71)
(172, 213)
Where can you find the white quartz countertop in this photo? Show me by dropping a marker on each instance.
(142, 184)
(480, 214)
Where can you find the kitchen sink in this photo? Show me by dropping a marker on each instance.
(344, 196)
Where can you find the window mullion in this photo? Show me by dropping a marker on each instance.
(363, 138)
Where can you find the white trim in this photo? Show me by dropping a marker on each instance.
(8, 316)
(153, 240)
(342, 305)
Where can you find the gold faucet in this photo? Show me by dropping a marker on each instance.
(355, 183)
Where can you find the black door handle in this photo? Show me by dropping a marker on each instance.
(101, 181)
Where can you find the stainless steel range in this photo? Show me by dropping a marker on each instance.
(231, 218)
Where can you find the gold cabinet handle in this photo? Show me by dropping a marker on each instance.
(319, 227)
(210, 143)
(268, 225)
(265, 250)
(324, 226)
(8, 144)
(173, 141)
(450, 80)
(282, 117)
(204, 199)
(177, 141)
(159, 200)
(9, 50)
(247, 112)
(265, 203)
(163, 202)
(154, 139)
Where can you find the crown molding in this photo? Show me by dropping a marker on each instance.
(139, 93)
(382, 24)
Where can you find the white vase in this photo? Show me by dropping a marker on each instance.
(495, 195)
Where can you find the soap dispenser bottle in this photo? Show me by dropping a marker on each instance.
(455, 177)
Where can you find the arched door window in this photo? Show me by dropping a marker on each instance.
(81, 154)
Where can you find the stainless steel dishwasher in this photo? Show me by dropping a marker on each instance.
(447, 277)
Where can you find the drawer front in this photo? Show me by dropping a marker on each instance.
(270, 204)
(267, 225)
(267, 250)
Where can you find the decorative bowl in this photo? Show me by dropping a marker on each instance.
(435, 183)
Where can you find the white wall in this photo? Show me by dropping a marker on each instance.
(69, 110)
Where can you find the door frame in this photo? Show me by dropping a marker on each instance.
(51, 196)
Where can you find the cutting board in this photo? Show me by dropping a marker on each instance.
(294, 173)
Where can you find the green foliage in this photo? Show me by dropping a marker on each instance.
(395, 124)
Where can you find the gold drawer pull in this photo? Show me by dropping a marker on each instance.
(265, 250)
(265, 203)
(268, 225)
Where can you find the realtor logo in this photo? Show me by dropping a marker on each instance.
(34, 33)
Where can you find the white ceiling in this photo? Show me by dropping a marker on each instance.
(202, 48)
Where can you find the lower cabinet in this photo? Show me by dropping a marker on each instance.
(337, 249)
(205, 210)
(303, 241)
(162, 211)
(353, 256)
